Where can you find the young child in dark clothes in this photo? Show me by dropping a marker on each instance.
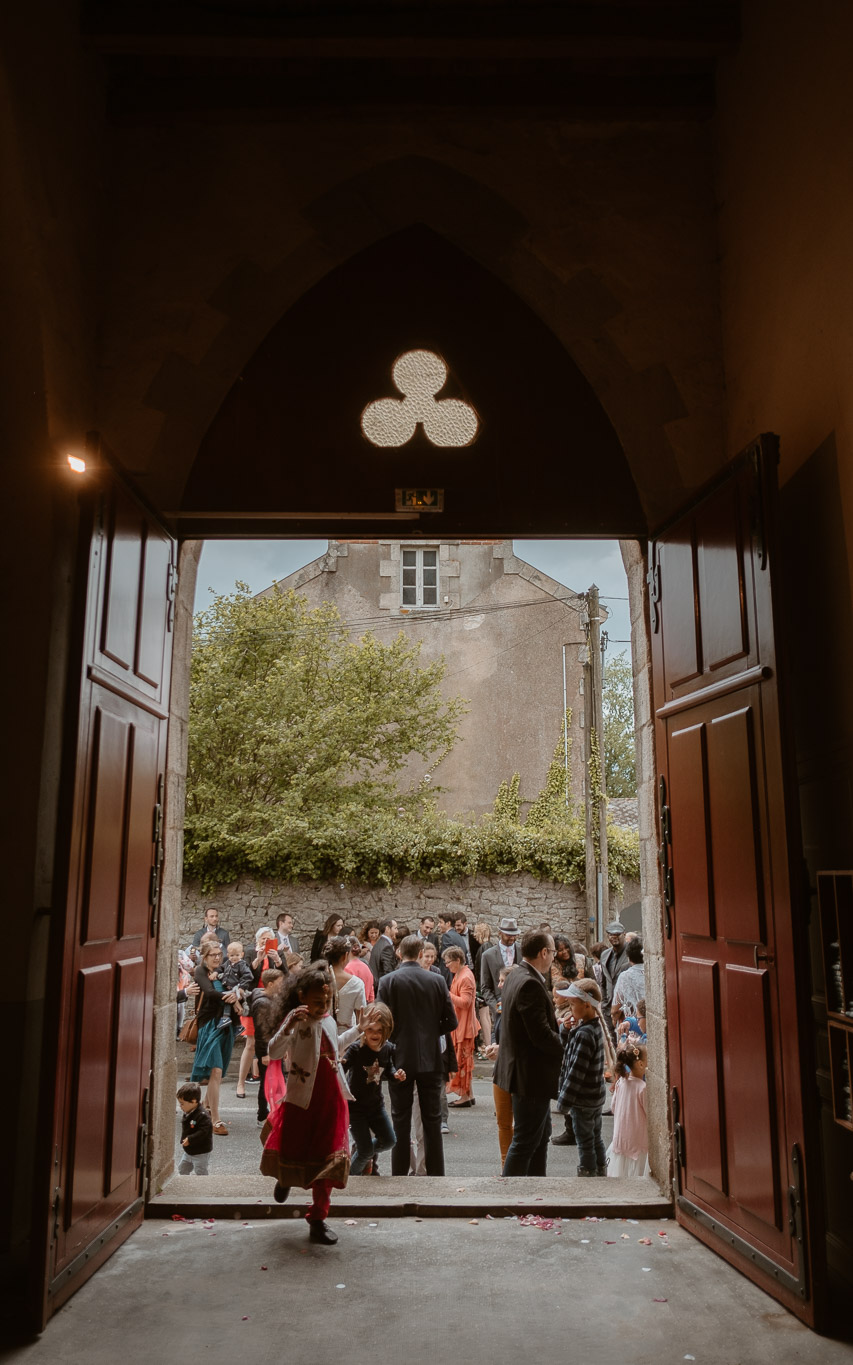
(582, 1088)
(236, 975)
(366, 1064)
(196, 1131)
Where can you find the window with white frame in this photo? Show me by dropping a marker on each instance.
(420, 578)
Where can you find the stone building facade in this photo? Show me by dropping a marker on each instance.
(512, 638)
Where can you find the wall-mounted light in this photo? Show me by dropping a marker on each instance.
(76, 464)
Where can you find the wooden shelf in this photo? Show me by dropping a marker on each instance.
(835, 897)
(841, 1059)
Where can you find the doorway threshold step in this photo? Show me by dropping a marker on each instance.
(250, 1196)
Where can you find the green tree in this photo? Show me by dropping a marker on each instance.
(620, 773)
(294, 727)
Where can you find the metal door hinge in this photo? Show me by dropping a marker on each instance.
(664, 856)
(171, 591)
(142, 1134)
(157, 864)
(56, 1208)
(653, 581)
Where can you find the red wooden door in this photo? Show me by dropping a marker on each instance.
(729, 841)
(113, 889)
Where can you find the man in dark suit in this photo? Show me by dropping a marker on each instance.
(530, 1056)
(505, 953)
(427, 931)
(447, 935)
(287, 940)
(471, 945)
(383, 955)
(422, 1009)
(211, 926)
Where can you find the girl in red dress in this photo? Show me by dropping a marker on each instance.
(306, 1138)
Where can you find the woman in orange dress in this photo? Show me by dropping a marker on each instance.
(463, 993)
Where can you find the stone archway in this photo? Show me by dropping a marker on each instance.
(361, 214)
(363, 210)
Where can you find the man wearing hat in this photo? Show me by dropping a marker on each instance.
(504, 953)
(614, 961)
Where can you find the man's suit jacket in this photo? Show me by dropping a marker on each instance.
(491, 965)
(422, 1009)
(383, 958)
(530, 1052)
(613, 964)
(453, 940)
(473, 947)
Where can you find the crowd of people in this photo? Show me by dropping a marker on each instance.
(414, 1008)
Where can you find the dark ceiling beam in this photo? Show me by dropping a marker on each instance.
(688, 25)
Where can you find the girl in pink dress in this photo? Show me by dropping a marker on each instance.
(306, 1137)
(628, 1154)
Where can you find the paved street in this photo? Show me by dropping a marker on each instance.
(471, 1147)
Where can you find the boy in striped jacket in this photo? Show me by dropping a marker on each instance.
(582, 1086)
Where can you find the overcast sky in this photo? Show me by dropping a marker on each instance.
(575, 563)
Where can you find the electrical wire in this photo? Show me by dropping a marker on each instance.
(419, 616)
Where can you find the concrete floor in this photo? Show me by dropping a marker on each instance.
(423, 1292)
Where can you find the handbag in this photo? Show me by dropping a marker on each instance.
(189, 1030)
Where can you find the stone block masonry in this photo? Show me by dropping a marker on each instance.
(245, 906)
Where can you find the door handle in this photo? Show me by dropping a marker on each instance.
(760, 954)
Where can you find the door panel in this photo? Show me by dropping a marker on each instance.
(730, 839)
(749, 1095)
(735, 828)
(703, 1089)
(95, 997)
(683, 657)
(725, 630)
(105, 855)
(127, 1068)
(108, 962)
(689, 777)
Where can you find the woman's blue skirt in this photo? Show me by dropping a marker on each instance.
(213, 1048)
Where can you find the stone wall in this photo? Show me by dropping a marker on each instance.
(246, 905)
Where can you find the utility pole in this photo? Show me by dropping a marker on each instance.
(590, 869)
(596, 719)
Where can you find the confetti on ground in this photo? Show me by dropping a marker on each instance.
(590, 1218)
(610, 1244)
(351, 1222)
(534, 1220)
(373, 1225)
(689, 1357)
(340, 1286)
(489, 1218)
(245, 1319)
(647, 1269)
(662, 1234)
(644, 1241)
(626, 1237)
(660, 1300)
(179, 1218)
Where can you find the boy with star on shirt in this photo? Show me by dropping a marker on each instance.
(367, 1064)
